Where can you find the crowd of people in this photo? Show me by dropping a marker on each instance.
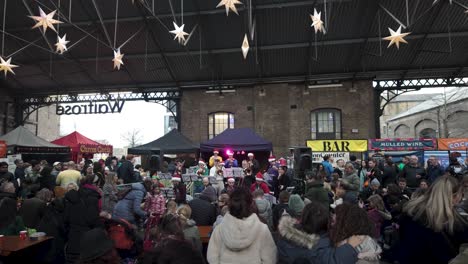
(113, 211)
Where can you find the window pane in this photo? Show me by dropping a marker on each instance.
(218, 122)
(326, 124)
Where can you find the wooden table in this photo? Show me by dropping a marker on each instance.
(205, 233)
(10, 244)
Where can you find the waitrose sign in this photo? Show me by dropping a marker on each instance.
(109, 107)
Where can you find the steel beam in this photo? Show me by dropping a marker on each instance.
(419, 83)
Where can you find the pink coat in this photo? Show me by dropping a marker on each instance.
(155, 204)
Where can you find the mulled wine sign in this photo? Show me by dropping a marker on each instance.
(109, 107)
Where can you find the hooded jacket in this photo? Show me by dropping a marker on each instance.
(316, 192)
(130, 205)
(203, 211)
(192, 234)
(295, 244)
(241, 241)
(264, 211)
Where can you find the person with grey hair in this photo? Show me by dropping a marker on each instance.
(413, 173)
(374, 188)
(34, 209)
(350, 178)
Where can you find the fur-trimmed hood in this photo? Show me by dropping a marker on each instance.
(288, 230)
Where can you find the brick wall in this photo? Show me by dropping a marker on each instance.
(281, 112)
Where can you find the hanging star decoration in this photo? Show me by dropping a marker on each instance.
(45, 20)
(6, 66)
(179, 33)
(245, 47)
(317, 22)
(396, 37)
(61, 44)
(230, 5)
(117, 59)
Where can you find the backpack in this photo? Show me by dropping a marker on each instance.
(121, 233)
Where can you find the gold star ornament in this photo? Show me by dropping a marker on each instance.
(317, 22)
(6, 66)
(179, 33)
(61, 44)
(396, 37)
(45, 20)
(230, 5)
(245, 47)
(117, 59)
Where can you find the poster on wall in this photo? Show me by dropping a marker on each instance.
(402, 144)
(337, 145)
(317, 157)
(453, 143)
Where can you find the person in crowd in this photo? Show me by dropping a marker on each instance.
(340, 165)
(96, 248)
(403, 188)
(248, 179)
(377, 213)
(109, 191)
(362, 173)
(20, 174)
(180, 192)
(216, 166)
(171, 207)
(230, 186)
(431, 229)
(11, 222)
(272, 173)
(81, 214)
(220, 217)
(5, 175)
(327, 167)
(374, 188)
(52, 224)
(283, 180)
(70, 175)
(113, 165)
(129, 208)
(138, 172)
(433, 170)
(355, 162)
(389, 174)
(352, 222)
(157, 181)
(413, 173)
(47, 180)
(155, 206)
(203, 209)
(223, 201)
(33, 209)
(423, 184)
(281, 208)
(296, 205)
(206, 182)
(170, 252)
(350, 177)
(230, 162)
(346, 192)
(72, 186)
(373, 172)
(98, 172)
(57, 168)
(215, 156)
(126, 170)
(263, 208)
(456, 167)
(189, 227)
(253, 164)
(202, 171)
(259, 184)
(241, 237)
(308, 240)
(315, 190)
(404, 161)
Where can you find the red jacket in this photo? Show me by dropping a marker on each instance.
(262, 186)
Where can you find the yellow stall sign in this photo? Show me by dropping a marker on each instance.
(338, 145)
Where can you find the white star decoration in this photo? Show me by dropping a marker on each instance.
(6, 66)
(117, 59)
(245, 47)
(317, 22)
(179, 33)
(229, 4)
(61, 44)
(45, 20)
(396, 37)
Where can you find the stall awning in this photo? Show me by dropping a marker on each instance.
(171, 143)
(81, 144)
(237, 140)
(21, 140)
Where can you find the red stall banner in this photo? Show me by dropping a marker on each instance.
(453, 143)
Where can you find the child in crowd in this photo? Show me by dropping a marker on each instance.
(263, 207)
(155, 206)
(377, 213)
(171, 207)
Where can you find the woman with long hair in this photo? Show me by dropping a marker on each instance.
(241, 237)
(98, 171)
(431, 229)
(362, 175)
(189, 227)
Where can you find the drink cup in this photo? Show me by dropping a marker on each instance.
(23, 234)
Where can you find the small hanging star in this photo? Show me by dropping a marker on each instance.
(117, 59)
(179, 33)
(317, 22)
(245, 47)
(45, 20)
(6, 66)
(396, 37)
(61, 44)
(230, 4)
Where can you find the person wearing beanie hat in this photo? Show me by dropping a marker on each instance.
(97, 247)
(260, 184)
(157, 181)
(230, 186)
(203, 209)
(253, 163)
(296, 205)
(373, 188)
(215, 156)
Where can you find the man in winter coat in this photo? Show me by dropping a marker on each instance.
(350, 177)
(180, 191)
(434, 170)
(126, 170)
(413, 173)
(5, 175)
(316, 192)
(327, 166)
(203, 209)
(263, 208)
(130, 206)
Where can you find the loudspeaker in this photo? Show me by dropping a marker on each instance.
(302, 161)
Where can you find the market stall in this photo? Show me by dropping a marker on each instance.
(82, 147)
(398, 148)
(24, 142)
